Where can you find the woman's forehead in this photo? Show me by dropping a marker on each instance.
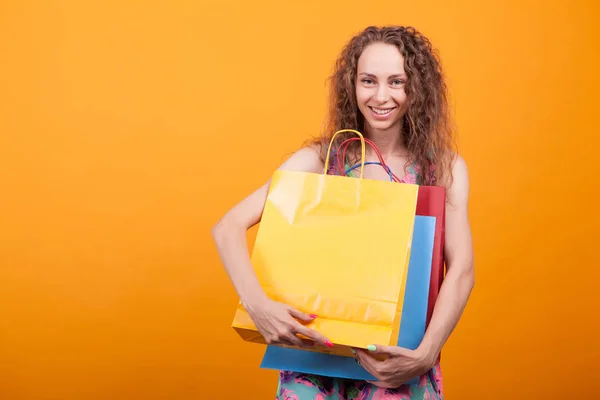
(381, 59)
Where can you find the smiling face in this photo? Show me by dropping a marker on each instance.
(380, 83)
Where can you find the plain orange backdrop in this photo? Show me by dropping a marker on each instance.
(128, 128)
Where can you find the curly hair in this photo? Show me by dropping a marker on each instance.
(426, 128)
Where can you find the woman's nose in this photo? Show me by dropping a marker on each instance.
(382, 95)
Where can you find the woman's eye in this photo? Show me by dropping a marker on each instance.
(398, 82)
(367, 81)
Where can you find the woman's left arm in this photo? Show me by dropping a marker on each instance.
(402, 364)
(460, 276)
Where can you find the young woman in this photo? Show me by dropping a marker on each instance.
(387, 84)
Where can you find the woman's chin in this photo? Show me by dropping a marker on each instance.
(382, 125)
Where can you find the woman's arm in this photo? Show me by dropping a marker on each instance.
(460, 277)
(274, 321)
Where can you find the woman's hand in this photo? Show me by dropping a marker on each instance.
(400, 366)
(279, 324)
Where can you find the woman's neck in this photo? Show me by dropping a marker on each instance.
(389, 142)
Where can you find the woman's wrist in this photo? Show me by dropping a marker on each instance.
(253, 299)
(427, 353)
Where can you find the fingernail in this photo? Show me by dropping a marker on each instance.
(313, 316)
(328, 343)
(353, 352)
(371, 347)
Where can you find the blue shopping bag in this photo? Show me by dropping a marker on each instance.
(412, 323)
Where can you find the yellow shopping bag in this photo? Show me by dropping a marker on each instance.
(337, 247)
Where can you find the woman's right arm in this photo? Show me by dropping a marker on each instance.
(278, 323)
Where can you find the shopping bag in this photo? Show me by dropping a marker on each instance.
(412, 325)
(337, 247)
(432, 202)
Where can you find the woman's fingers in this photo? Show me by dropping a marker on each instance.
(312, 334)
(301, 316)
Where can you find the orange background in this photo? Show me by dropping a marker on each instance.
(128, 128)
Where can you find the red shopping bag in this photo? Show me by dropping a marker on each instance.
(432, 203)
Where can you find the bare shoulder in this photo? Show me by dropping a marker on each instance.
(459, 169)
(249, 210)
(458, 191)
(306, 159)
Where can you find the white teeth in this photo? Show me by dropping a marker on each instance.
(379, 111)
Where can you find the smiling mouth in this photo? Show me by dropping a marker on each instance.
(382, 111)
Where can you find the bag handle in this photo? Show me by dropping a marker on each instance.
(344, 146)
(389, 171)
(363, 151)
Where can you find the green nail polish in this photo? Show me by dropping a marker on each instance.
(353, 352)
(371, 347)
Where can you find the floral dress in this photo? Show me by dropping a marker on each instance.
(299, 386)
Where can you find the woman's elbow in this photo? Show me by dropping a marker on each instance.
(468, 275)
(228, 225)
(463, 273)
(219, 230)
